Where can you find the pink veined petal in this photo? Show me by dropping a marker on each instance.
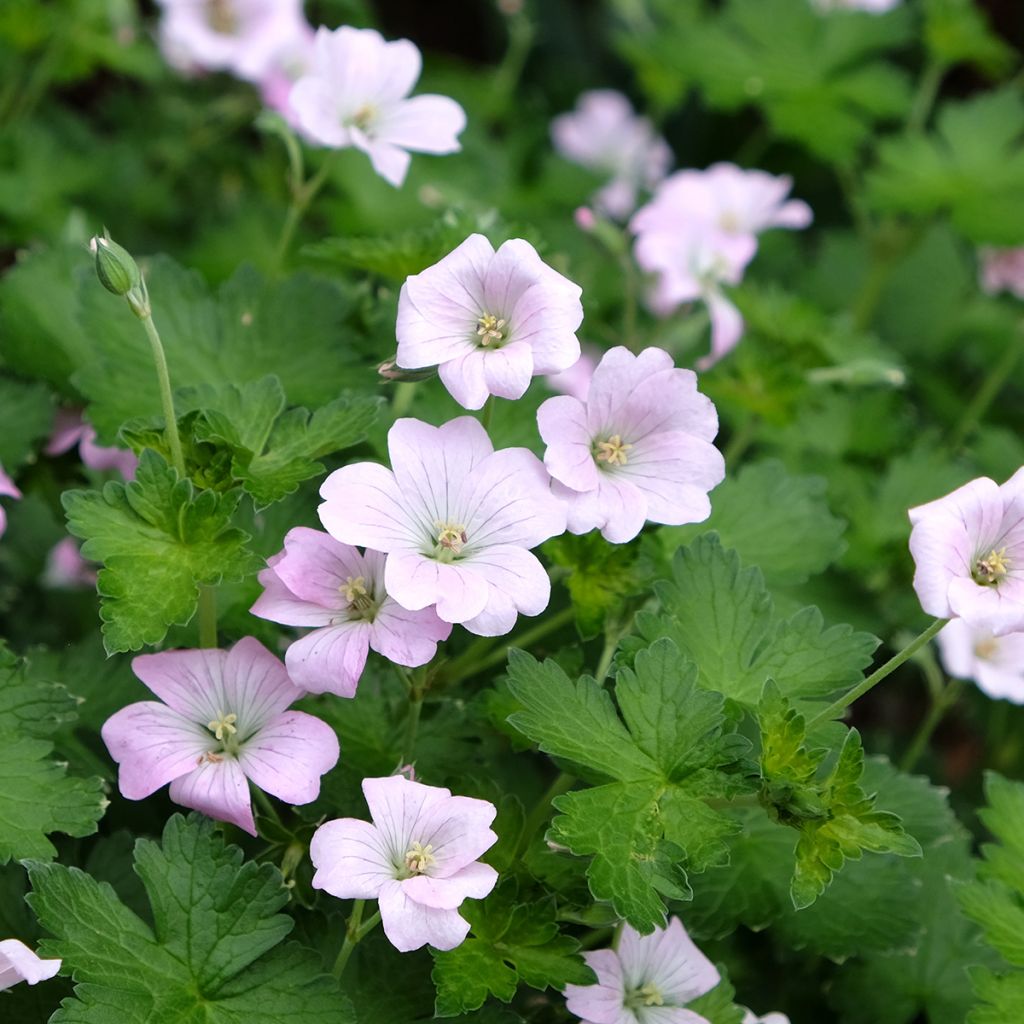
(942, 552)
(547, 316)
(464, 378)
(668, 959)
(396, 806)
(622, 508)
(256, 685)
(672, 1015)
(219, 790)
(330, 660)
(278, 604)
(617, 376)
(999, 608)
(726, 328)
(390, 162)
(978, 505)
(663, 401)
(507, 370)
(153, 745)
(583, 508)
(473, 882)
(189, 681)
(351, 859)
(410, 925)
(600, 1003)
(572, 465)
(406, 637)
(19, 963)
(956, 642)
(424, 124)
(518, 583)
(563, 420)
(315, 566)
(364, 505)
(416, 582)
(287, 757)
(459, 830)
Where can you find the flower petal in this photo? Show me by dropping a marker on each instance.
(364, 505)
(424, 124)
(256, 685)
(458, 829)
(396, 805)
(350, 858)
(19, 963)
(330, 660)
(474, 882)
(287, 757)
(219, 790)
(406, 637)
(410, 925)
(415, 581)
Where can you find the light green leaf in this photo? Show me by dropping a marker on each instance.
(212, 956)
(158, 540)
(957, 31)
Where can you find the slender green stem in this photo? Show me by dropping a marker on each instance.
(939, 705)
(263, 801)
(833, 710)
(487, 413)
(401, 400)
(631, 285)
(166, 396)
(412, 724)
(539, 813)
(520, 40)
(924, 98)
(990, 388)
(207, 616)
(355, 931)
(302, 195)
(611, 642)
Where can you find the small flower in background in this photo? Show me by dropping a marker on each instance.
(968, 550)
(317, 581)
(648, 979)
(870, 6)
(8, 489)
(995, 663)
(605, 134)
(639, 448)
(576, 380)
(419, 859)
(19, 963)
(291, 64)
(69, 429)
(489, 320)
(456, 519)
(1001, 270)
(356, 93)
(223, 720)
(245, 37)
(66, 569)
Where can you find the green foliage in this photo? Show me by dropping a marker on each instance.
(159, 540)
(971, 169)
(834, 816)
(273, 448)
(512, 942)
(668, 755)
(721, 616)
(957, 31)
(37, 797)
(213, 954)
(26, 415)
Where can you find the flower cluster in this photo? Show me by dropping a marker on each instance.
(699, 232)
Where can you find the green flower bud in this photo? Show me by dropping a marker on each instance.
(119, 273)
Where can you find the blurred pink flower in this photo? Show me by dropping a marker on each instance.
(19, 963)
(489, 320)
(1002, 270)
(968, 550)
(288, 67)
(870, 6)
(576, 380)
(419, 859)
(223, 721)
(69, 429)
(456, 520)
(995, 663)
(66, 569)
(8, 489)
(606, 135)
(356, 94)
(248, 38)
(648, 979)
(318, 581)
(639, 448)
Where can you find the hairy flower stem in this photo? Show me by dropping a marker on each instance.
(412, 724)
(539, 814)
(166, 396)
(834, 709)
(303, 193)
(207, 615)
(990, 388)
(355, 932)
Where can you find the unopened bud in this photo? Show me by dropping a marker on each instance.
(119, 273)
(390, 370)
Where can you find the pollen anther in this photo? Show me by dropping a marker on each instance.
(612, 451)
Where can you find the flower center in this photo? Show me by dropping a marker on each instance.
(613, 451)
(358, 596)
(451, 538)
(220, 16)
(989, 570)
(729, 222)
(490, 329)
(419, 857)
(222, 726)
(985, 649)
(647, 995)
(363, 118)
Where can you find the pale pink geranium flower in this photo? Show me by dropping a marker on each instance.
(968, 550)
(606, 135)
(576, 380)
(224, 719)
(639, 448)
(357, 94)
(489, 320)
(245, 37)
(648, 979)
(456, 519)
(995, 663)
(8, 489)
(69, 429)
(19, 963)
(419, 859)
(319, 582)
(1001, 270)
